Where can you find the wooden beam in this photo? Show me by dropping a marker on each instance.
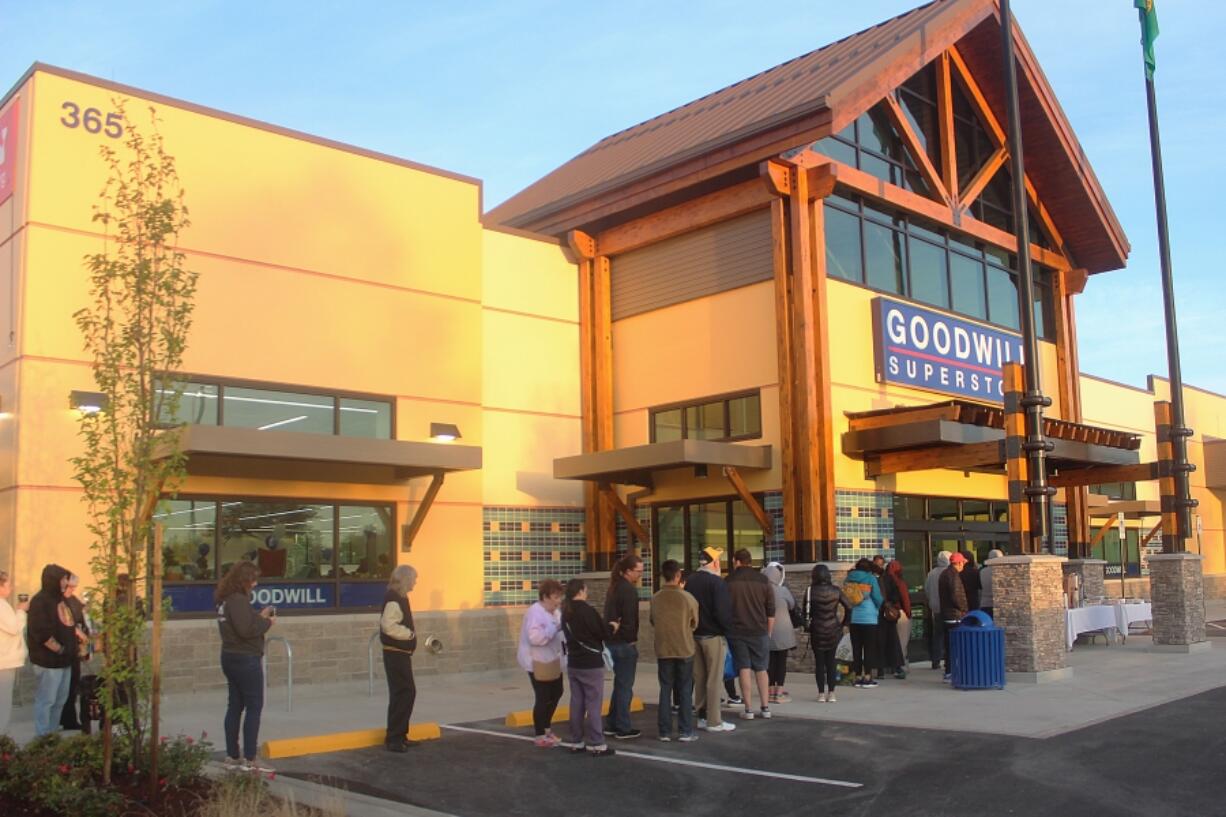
(825, 523)
(1098, 537)
(602, 407)
(694, 214)
(1138, 472)
(787, 376)
(977, 98)
(776, 175)
(1016, 466)
(419, 516)
(945, 116)
(983, 177)
(1068, 377)
(742, 490)
(1148, 537)
(632, 524)
(805, 353)
(582, 245)
(1044, 216)
(903, 125)
(956, 457)
(944, 411)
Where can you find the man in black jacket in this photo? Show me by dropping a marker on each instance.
(621, 613)
(753, 618)
(51, 638)
(714, 620)
(953, 600)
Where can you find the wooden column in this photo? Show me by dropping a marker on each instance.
(1020, 541)
(1068, 372)
(595, 384)
(783, 345)
(824, 532)
(1166, 477)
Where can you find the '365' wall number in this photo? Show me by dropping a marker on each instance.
(91, 119)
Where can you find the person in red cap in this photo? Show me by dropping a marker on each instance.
(953, 600)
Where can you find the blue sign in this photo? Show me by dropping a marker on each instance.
(198, 598)
(933, 350)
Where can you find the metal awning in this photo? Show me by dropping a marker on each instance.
(637, 464)
(969, 436)
(247, 452)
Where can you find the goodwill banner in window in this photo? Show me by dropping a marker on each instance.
(932, 350)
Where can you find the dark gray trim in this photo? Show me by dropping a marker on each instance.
(637, 464)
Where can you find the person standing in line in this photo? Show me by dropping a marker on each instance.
(822, 603)
(714, 618)
(51, 639)
(864, 620)
(953, 602)
(987, 603)
(12, 647)
(68, 717)
(242, 632)
(674, 617)
(783, 636)
(586, 634)
(895, 631)
(753, 619)
(540, 655)
(970, 579)
(399, 643)
(621, 608)
(936, 633)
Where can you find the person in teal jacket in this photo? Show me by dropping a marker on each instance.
(864, 621)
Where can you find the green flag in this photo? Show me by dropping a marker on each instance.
(1149, 32)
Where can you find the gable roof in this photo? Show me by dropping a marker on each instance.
(810, 97)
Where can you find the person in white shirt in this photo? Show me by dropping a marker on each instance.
(12, 647)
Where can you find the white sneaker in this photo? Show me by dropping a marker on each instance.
(747, 715)
(821, 697)
(830, 698)
(702, 723)
(723, 727)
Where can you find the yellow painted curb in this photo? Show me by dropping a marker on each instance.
(523, 717)
(342, 741)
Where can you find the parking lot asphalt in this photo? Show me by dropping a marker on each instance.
(1160, 761)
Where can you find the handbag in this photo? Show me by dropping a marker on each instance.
(890, 611)
(604, 652)
(798, 620)
(547, 670)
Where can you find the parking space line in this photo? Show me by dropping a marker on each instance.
(681, 762)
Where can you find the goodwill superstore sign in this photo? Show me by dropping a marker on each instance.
(932, 350)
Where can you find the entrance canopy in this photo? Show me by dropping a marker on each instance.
(638, 464)
(1101, 506)
(962, 435)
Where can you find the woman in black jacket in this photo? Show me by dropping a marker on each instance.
(586, 634)
(51, 637)
(822, 602)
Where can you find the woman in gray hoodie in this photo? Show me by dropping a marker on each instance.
(783, 636)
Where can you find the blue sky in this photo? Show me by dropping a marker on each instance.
(508, 91)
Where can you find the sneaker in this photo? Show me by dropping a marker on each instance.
(869, 684)
(772, 698)
(747, 715)
(664, 739)
(541, 742)
(577, 749)
(676, 707)
(830, 698)
(723, 727)
(629, 734)
(736, 700)
(399, 746)
(610, 731)
(765, 713)
(553, 739)
(858, 683)
(601, 751)
(260, 767)
(702, 723)
(821, 697)
(688, 738)
(233, 764)
(782, 698)
(946, 678)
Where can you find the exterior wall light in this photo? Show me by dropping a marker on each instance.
(88, 402)
(444, 432)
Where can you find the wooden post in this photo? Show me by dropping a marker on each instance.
(602, 407)
(155, 657)
(1068, 374)
(824, 532)
(804, 359)
(1166, 476)
(1015, 460)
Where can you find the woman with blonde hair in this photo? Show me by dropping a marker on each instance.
(242, 650)
(12, 647)
(399, 641)
(540, 654)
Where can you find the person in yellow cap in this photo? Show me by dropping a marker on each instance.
(714, 618)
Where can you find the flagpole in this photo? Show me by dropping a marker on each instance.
(1038, 492)
(1172, 541)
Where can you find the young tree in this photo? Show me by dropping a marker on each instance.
(136, 331)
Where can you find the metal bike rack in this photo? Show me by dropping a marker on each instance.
(289, 670)
(370, 665)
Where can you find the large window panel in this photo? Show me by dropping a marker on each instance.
(745, 416)
(287, 539)
(198, 404)
(883, 257)
(189, 541)
(366, 418)
(1002, 298)
(746, 532)
(967, 286)
(929, 276)
(278, 410)
(837, 149)
(365, 540)
(666, 426)
(737, 416)
(843, 246)
(705, 422)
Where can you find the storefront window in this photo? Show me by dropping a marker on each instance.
(365, 418)
(843, 245)
(966, 284)
(883, 258)
(682, 531)
(929, 276)
(705, 422)
(287, 540)
(744, 416)
(365, 542)
(666, 425)
(189, 539)
(735, 417)
(277, 410)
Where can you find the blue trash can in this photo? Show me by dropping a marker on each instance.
(977, 653)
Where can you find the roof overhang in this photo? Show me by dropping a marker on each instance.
(247, 452)
(1131, 508)
(638, 464)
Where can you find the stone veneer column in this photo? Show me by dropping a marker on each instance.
(1092, 573)
(1028, 592)
(1177, 592)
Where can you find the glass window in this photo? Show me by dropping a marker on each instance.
(879, 168)
(976, 510)
(365, 538)
(670, 534)
(941, 508)
(745, 416)
(843, 245)
(837, 149)
(197, 404)
(366, 418)
(746, 533)
(277, 410)
(929, 277)
(705, 422)
(287, 539)
(966, 283)
(1002, 298)
(666, 425)
(189, 540)
(909, 507)
(708, 528)
(883, 257)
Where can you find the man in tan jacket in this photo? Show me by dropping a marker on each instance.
(674, 616)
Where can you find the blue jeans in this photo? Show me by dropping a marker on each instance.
(676, 673)
(50, 697)
(245, 678)
(625, 661)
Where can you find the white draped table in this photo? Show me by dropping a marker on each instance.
(1105, 617)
